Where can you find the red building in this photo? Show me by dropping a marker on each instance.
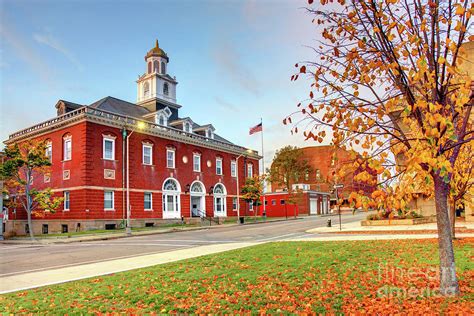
(177, 168)
(303, 202)
(325, 162)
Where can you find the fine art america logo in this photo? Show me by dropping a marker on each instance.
(412, 283)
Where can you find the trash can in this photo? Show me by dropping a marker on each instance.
(241, 220)
(458, 212)
(329, 224)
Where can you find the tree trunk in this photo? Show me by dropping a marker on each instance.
(448, 281)
(28, 213)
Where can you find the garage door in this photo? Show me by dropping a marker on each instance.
(313, 206)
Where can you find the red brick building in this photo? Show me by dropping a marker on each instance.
(325, 161)
(177, 168)
(304, 202)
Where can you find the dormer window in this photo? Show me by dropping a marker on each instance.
(188, 127)
(162, 120)
(162, 116)
(165, 89)
(209, 133)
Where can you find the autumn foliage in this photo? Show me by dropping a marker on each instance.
(389, 79)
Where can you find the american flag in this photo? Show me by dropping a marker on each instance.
(257, 128)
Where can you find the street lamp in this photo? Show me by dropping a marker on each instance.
(248, 151)
(140, 125)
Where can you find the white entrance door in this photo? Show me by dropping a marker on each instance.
(313, 206)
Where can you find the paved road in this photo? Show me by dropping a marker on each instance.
(18, 259)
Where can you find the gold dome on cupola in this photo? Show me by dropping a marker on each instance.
(157, 52)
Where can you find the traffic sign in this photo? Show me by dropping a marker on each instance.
(338, 186)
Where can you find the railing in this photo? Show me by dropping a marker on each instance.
(204, 217)
(127, 122)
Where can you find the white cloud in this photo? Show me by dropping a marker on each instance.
(49, 40)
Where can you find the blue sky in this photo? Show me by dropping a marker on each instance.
(233, 59)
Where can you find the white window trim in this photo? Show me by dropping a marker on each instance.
(108, 138)
(222, 171)
(65, 141)
(233, 168)
(49, 147)
(174, 158)
(236, 204)
(194, 163)
(151, 202)
(176, 200)
(68, 199)
(113, 201)
(249, 170)
(147, 145)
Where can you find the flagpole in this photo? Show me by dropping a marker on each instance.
(263, 173)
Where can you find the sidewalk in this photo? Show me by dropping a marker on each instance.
(355, 227)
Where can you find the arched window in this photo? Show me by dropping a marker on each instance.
(197, 187)
(220, 206)
(165, 89)
(171, 199)
(149, 67)
(155, 66)
(188, 127)
(163, 67)
(146, 89)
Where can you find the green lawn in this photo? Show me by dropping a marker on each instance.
(289, 277)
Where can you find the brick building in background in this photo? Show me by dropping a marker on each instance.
(318, 186)
(177, 168)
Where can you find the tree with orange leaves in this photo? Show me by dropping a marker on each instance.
(23, 162)
(388, 80)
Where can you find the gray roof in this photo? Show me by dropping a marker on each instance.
(121, 107)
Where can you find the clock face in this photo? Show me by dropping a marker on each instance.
(209, 163)
(185, 159)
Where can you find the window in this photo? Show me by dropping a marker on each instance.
(251, 205)
(45, 229)
(234, 203)
(219, 200)
(171, 199)
(188, 127)
(108, 200)
(149, 67)
(148, 201)
(318, 174)
(274, 202)
(266, 202)
(209, 133)
(219, 166)
(146, 89)
(49, 151)
(197, 162)
(108, 147)
(170, 154)
(249, 170)
(147, 154)
(67, 148)
(64, 228)
(66, 201)
(163, 67)
(306, 176)
(165, 89)
(233, 168)
(156, 64)
(282, 202)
